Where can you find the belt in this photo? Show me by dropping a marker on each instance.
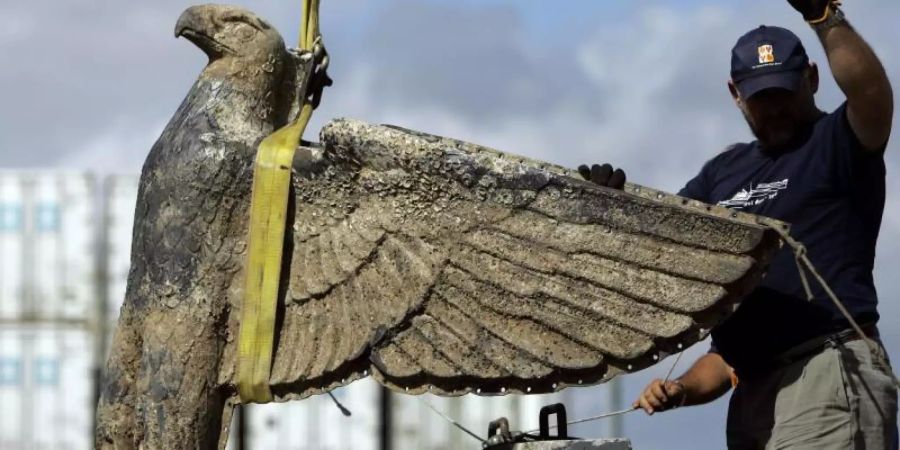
(820, 343)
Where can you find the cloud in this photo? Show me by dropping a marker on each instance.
(75, 69)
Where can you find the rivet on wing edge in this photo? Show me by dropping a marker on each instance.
(656, 357)
(629, 367)
(528, 389)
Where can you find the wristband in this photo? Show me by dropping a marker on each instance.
(834, 15)
(834, 18)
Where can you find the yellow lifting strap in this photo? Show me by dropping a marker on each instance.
(268, 213)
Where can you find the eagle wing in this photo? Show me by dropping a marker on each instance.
(439, 266)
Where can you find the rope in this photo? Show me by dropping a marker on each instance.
(799, 253)
(802, 259)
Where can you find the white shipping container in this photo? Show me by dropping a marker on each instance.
(12, 295)
(47, 247)
(46, 387)
(11, 389)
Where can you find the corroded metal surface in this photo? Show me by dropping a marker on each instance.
(442, 266)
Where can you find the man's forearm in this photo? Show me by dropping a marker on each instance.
(708, 379)
(862, 78)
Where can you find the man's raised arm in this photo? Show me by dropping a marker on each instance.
(857, 70)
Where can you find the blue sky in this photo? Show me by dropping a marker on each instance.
(89, 84)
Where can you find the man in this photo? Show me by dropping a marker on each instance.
(803, 380)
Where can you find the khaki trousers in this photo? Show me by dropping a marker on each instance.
(835, 399)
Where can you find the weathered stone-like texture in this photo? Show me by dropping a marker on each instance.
(441, 266)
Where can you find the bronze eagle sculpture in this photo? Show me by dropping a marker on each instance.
(431, 264)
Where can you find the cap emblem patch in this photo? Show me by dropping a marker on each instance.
(766, 54)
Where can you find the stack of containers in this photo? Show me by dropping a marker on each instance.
(48, 309)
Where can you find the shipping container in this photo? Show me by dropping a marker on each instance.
(48, 309)
(46, 387)
(48, 247)
(12, 290)
(11, 389)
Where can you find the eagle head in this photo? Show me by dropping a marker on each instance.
(248, 55)
(226, 32)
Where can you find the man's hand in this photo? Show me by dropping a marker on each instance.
(660, 396)
(707, 379)
(603, 175)
(812, 10)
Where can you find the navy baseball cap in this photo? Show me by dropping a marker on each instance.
(768, 57)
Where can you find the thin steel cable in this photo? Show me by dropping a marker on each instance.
(455, 423)
(590, 419)
(614, 413)
(672, 369)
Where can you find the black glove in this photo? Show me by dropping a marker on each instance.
(603, 175)
(812, 10)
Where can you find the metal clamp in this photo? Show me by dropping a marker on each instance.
(561, 430)
(498, 433)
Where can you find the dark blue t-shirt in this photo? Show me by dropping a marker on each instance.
(833, 195)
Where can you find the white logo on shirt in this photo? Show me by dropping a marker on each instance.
(755, 196)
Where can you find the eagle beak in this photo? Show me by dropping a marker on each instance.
(198, 25)
(189, 22)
